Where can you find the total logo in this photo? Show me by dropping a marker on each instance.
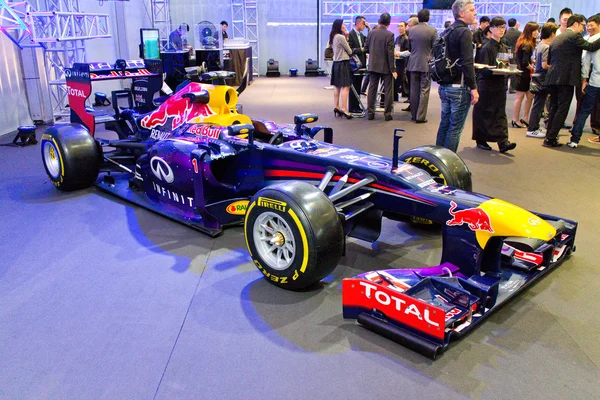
(238, 208)
(161, 170)
(399, 304)
(76, 92)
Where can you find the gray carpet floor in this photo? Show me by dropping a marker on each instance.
(100, 299)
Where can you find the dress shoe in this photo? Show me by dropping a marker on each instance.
(483, 145)
(345, 114)
(389, 118)
(406, 109)
(506, 146)
(363, 93)
(515, 124)
(524, 123)
(371, 117)
(337, 112)
(552, 143)
(567, 126)
(407, 100)
(512, 91)
(420, 121)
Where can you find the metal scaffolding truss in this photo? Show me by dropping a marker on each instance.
(535, 10)
(161, 20)
(244, 17)
(28, 26)
(60, 28)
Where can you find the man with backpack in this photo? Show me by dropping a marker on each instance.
(458, 87)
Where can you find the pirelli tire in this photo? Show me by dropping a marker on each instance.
(294, 234)
(444, 165)
(71, 156)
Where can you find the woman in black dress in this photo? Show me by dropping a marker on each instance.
(489, 114)
(525, 48)
(341, 74)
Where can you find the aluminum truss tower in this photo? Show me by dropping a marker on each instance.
(534, 10)
(244, 18)
(60, 28)
(161, 20)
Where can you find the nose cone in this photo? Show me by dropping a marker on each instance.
(509, 220)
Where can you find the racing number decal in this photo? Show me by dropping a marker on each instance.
(195, 164)
(418, 160)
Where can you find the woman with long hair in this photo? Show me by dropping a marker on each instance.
(525, 48)
(341, 74)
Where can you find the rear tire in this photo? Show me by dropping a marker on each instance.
(294, 234)
(71, 156)
(444, 165)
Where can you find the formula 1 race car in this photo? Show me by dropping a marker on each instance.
(196, 160)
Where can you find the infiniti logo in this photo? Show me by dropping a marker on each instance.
(534, 221)
(161, 169)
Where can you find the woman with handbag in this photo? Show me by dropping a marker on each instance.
(525, 48)
(341, 74)
(538, 79)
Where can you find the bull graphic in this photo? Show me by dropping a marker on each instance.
(475, 218)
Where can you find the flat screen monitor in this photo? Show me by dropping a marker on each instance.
(149, 47)
(438, 4)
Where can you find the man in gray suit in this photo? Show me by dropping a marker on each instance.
(380, 47)
(420, 42)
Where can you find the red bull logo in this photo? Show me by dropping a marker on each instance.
(178, 108)
(475, 218)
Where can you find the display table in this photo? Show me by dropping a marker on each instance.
(227, 60)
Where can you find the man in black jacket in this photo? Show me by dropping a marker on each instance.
(564, 73)
(458, 96)
(356, 40)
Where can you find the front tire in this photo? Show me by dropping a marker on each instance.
(294, 234)
(71, 156)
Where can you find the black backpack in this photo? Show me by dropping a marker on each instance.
(442, 69)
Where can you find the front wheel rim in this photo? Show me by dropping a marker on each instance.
(51, 159)
(274, 241)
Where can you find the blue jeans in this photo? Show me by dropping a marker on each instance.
(592, 96)
(455, 107)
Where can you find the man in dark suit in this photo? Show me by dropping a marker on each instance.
(420, 42)
(356, 40)
(478, 35)
(564, 73)
(401, 44)
(510, 40)
(380, 46)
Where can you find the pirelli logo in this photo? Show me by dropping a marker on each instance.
(270, 203)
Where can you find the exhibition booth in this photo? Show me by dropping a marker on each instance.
(185, 217)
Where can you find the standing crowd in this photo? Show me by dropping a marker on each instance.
(544, 66)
